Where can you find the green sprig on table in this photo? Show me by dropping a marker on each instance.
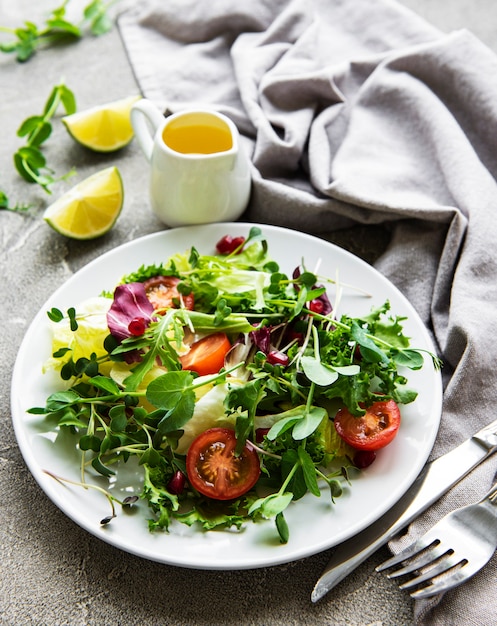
(29, 160)
(57, 29)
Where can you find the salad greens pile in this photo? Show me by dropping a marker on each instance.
(291, 365)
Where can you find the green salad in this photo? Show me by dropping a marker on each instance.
(238, 388)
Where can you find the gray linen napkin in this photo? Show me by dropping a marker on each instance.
(359, 112)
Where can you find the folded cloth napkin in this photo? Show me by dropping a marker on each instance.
(359, 112)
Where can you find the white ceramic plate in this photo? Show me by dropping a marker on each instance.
(315, 524)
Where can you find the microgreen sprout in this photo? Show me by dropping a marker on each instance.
(126, 502)
(56, 315)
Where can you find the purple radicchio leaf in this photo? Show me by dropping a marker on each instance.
(262, 339)
(130, 304)
(296, 273)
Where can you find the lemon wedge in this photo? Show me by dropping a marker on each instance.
(103, 128)
(90, 208)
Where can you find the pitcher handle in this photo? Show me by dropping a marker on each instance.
(142, 111)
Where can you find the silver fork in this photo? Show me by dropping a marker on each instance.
(457, 547)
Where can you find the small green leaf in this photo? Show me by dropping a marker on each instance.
(309, 423)
(347, 370)
(71, 312)
(51, 103)
(90, 442)
(317, 372)
(222, 312)
(301, 302)
(282, 528)
(308, 279)
(40, 134)
(61, 352)
(25, 50)
(243, 428)
(61, 399)
(255, 234)
(335, 489)
(271, 505)
(64, 26)
(106, 384)
(55, 314)
(29, 125)
(173, 391)
(275, 504)
(151, 457)
(409, 358)
(70, 418)
(68, 99)
(404, 395)
(309, 471)
(118, 421)
(101, 25)
(37, 410)
(287, 420)
(33, 156)
(101, 468)
(92, 9)
(245, 398)
(109, 442)
(68, 370)
(194, 257)
(369, 350)
(8, 47)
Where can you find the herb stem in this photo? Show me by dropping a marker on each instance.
(265, 452)
(101, 490)
(287, 480)
(310, 397)
(217, 377)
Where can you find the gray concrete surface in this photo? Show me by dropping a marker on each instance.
(51, 571)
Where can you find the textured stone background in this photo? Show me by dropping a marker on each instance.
(51, 571)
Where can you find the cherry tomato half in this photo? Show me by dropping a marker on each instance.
(215, 471)
(371, 431)
(162, 291)
(206, 356)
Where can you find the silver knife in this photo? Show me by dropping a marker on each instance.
(434, 480)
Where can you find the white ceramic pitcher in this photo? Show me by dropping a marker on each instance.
(199, 172)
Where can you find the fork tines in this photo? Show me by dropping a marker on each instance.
(419, 556)
(457, 547)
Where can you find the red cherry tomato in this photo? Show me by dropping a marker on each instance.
(215, 471)
(371, 431)
(162, 291)
(206, 356)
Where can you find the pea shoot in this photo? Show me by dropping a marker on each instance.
(27, 39)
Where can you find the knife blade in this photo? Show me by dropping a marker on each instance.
(434, 480)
